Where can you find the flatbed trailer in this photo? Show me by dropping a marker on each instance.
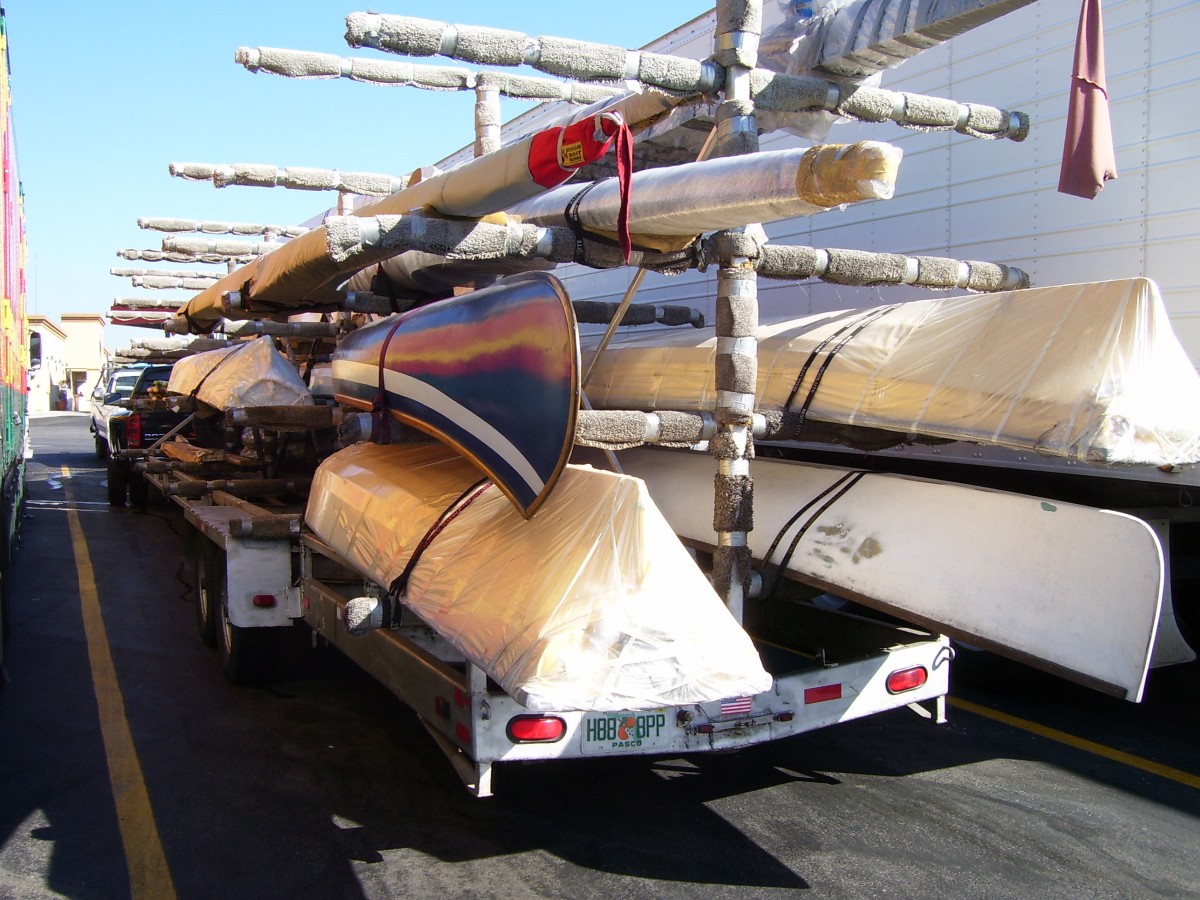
(258, 569)
(829, 666)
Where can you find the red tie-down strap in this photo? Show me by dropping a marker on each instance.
(381, 432)
(556, 153)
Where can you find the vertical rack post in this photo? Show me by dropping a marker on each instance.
(487, 118)
(739, 24)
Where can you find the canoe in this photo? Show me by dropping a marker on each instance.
(1070, 589)
(1092, 372)
(592, 605)
(493, 374)
(250, 374)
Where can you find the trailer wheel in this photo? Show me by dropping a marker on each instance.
(101, 448)
(247, 654)
(209, 574)
(118, 483)
(139, 490)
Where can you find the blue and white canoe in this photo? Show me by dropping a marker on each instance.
(493, 374)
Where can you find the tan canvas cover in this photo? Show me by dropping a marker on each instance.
(593, 604)
(247, 375)
(1087, 371)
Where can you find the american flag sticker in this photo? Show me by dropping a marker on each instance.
(736, 706)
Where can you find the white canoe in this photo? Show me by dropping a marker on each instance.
(1067, 588)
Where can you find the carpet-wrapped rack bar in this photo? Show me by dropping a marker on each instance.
(301, 274)
(248, 374)
(353, 242)
(793, 93)
(139, 319)
(163, 282)
(1089, 372)
(176, 257)
(296, 178)
(134, 304)
(566, 58)
(163, 273)
(728, 192)
(217, 247)
(862, 268)
(591, 605)
(285, 416)
(204, 227)
(584, 60)
(308, 64)
(421, 256)
(241, 487)
(601, 312)
(306, 330)
(165, 349)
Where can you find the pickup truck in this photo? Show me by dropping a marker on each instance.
(117, 385)
(122, 429)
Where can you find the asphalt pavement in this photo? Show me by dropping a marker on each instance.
(320, 784)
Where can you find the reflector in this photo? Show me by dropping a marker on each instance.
(823, 693)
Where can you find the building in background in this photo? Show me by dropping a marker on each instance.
(47, 365)
(85, 353)
(65, 360)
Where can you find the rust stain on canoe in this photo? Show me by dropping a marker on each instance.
(868, 549)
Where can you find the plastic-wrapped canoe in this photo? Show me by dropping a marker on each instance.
(594, 604)
(245, 375)
(1087, 371)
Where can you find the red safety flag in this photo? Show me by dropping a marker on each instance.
(1088, 158)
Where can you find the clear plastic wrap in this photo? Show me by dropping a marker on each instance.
(249, 374)
(729, 191)
(593, 604)
(1089, 371)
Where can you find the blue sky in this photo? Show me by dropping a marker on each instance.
(106, 95)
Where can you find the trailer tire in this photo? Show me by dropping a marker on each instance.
(101, 448)
(247, 654)
(208, 573)
(139, 490)
(118, 483)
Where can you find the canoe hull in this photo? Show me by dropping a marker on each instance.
(1067, 588)
(494, 374)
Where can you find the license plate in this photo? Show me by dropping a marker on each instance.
(626, 732)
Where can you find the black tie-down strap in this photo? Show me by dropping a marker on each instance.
(847, 333)
(399, 586)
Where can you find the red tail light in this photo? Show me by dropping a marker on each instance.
(906, 679)
(133, 430)
(536, 729)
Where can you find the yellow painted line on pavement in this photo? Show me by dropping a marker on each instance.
(149, 876)
(1079, 743)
